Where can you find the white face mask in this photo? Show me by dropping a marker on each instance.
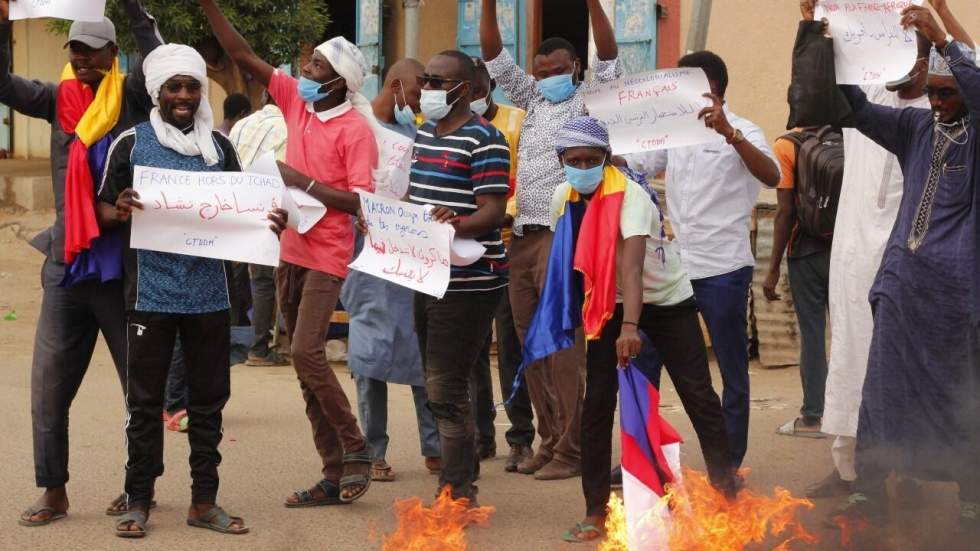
(433, 103)
(480, 106)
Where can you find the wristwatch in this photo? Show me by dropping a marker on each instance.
(946, 42)
(736, 138)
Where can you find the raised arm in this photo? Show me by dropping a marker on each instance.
(144, 29)
(31, 98)
(951, 23)
(491, 43)
(606, 48)
(235, 46)
(887, 126)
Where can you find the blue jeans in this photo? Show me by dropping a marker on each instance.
(723, 302)
(372, 405)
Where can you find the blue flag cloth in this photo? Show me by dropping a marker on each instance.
(559, 312)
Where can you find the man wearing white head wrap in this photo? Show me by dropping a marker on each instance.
(332, 154)
(161, 65)
(170, 294)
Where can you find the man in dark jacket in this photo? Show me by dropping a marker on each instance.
(92, 104)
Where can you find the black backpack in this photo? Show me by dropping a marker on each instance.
(819, 174)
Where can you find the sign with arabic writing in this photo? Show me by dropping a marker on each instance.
(654, 110)
(870, 45)
(405, 245)
(220, 215)
(75, 10)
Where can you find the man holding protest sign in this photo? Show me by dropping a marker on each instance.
(712, 189)
(871, 192)
(382, 345)
(551, 97)
(920, 412)
(92, 104)
(331, 155)
(171, 294)
(461, 166)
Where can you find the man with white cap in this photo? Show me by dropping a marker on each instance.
(332, 154)
(171, 295)
(920, 411)
(82, 293)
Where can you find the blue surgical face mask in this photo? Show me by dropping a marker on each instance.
(434, 105)
(309, 90)
(404, 114)
(479, 106)
(585, 181)
(558, 88)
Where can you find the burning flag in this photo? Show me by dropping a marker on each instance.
(651, 457)
(436, 528)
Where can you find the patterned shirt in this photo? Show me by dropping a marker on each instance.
(156, 281)
(451, 171)
(538, 169)
(264, 130)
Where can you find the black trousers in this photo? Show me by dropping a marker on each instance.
(676, 334)
(519, 412)
(67, 330)
(204, 339)
(451, 332)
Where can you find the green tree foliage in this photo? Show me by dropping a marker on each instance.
(276, 30)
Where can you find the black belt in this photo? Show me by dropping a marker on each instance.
(534, 227)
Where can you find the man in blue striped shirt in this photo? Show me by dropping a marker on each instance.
(460, 166)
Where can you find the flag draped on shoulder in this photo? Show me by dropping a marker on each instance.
(90, 116)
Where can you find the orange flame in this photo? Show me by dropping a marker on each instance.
(436, 528)
(702, 519)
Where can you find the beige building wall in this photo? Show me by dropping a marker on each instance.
(437, 29)
(37, 55)
(755, 38)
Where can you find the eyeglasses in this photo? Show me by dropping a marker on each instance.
(192, 86)
(942, 93)
(437, 82)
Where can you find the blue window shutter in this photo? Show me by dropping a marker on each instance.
(369, 41)
(636, 34)
(510, 17)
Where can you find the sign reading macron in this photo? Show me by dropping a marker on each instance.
(221, 215)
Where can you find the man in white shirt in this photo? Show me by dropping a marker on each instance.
(711, 190)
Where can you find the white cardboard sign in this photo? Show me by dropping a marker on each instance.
(653, 110)
(405, 245)
(303, 210)
(75, 10)
(394, 164)
(870, 45)
(220, 215)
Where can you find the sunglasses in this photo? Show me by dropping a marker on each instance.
(942, 93)
(174, 87)
(437, 82)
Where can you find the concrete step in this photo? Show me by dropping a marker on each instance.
(26, 184)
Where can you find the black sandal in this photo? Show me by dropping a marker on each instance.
(361, 479)
(305, 498)
(218, 520)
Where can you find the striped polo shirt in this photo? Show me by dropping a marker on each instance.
(451, 171)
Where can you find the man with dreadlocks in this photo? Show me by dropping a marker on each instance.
(920, 413)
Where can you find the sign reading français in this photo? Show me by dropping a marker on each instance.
(870, 45)
(405, 245)
(220, 215)
(75, 10)
(653, 110)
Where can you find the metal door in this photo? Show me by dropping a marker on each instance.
(510, 17)
(369, 41)
(636, 34)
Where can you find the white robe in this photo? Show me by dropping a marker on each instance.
(870, 196)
